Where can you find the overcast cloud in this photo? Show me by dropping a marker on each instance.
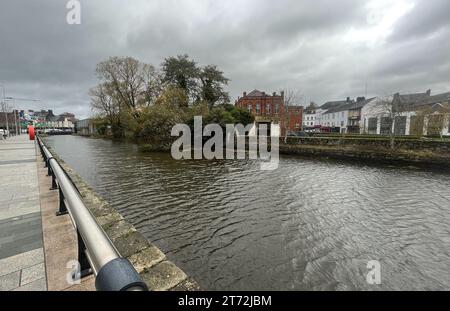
(325, 49)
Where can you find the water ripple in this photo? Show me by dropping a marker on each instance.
(310, 225)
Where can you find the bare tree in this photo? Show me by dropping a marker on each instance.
(126, 76)
(152, 85)
(437, 117)
(5, 113)
(104, 102)
(289, 99)
(393, 108)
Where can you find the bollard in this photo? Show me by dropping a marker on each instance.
(32, 132)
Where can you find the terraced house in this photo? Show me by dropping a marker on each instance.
(344, 116)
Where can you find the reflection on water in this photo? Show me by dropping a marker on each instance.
(310, 225)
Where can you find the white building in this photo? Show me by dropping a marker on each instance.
(311, 118)
(344, 116)
(412, 114)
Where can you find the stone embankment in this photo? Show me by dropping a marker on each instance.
(427, 152)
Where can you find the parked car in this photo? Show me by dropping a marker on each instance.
(4, 133)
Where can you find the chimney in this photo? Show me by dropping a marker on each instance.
(245, 94)
(274, 94)
(264, 93)
(282, 94)
(348, 99)
(429, 92)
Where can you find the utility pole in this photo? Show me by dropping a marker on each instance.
(15, 122)
(5, 110)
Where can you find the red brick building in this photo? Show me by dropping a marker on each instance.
(270, 109)
(295, 118)
(267, 109)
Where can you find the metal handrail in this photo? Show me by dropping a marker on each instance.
(97, 254)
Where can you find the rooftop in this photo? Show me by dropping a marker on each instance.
(361, 102)
(258, 93)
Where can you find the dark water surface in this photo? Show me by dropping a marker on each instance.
(310, 225)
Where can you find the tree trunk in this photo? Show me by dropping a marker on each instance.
(392, 143)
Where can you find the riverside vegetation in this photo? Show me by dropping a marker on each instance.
(136, 101)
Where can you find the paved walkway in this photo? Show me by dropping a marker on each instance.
(21, 247)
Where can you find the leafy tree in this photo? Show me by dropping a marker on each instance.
(174, 97)
(201, 84)
(156, 126)
(155, 122)
(181, 72)
(221, 116)
(213, 82)
(229, 114)
(240, 115)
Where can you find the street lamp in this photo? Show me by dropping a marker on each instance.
(20, 99)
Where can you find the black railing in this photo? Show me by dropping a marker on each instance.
(96, 253)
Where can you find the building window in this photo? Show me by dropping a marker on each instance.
(435, 124)
(277, 109)
(249, 108)
(386, 126)
(372, 126)
(268, 109)
(258, 108)
(297, 125)
(342, 114)
(400, 125)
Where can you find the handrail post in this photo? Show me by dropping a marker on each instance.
(62, 205)
(85, 267)
(49, 170)
(54, 185)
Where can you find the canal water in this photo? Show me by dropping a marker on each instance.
(309, 225)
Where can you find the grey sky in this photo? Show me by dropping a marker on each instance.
(325, 49)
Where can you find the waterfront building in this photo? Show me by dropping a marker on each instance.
(85, 127)
(409, 114)
(344, 116)
(295, 118)
(46, 120)
(267, 109)
(311, 118)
